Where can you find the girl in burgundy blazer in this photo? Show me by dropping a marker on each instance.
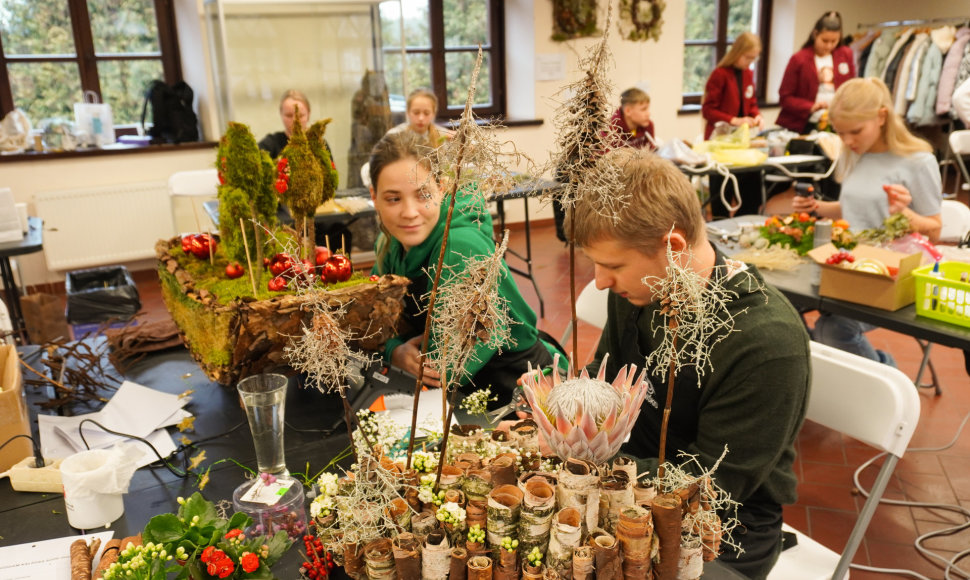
(799, 90)
(724, 99)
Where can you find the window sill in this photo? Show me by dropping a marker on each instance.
(85, 153)
(689, 110)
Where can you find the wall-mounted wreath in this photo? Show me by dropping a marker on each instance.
(573, 19)
(641, 19)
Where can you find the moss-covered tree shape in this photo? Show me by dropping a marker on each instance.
(246, 193)
(318, 146)
(302, 190)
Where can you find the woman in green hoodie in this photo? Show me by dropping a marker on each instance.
(412, 210)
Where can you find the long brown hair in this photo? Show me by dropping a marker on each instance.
(831, 21)
(391, 148)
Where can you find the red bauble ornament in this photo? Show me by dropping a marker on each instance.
(234, 270)
(203, 245)
(321, 255)
(281, 265)
(276, 284)
(187, 243)
(338, 268)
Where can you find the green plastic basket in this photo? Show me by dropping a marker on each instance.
(945, 298)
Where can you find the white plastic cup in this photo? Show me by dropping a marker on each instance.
(86, 508)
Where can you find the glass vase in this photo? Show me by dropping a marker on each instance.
(264, 398)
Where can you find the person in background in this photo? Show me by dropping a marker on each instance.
(422, 108)
(294, 108)
(813, 75)
(412, 208)
(884, 170)
(632, 120)
(961, 103)
(754, 395)
(729, 95)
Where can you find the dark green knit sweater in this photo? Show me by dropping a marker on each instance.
(753, 400)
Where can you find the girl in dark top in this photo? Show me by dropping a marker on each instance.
(729, 95)
(813, 74)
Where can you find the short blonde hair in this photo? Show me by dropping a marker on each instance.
(862, 99)
(633, 96)
(296, 96)
(661, 198)
(743, 44)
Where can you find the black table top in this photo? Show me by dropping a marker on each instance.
(800, 287)
(33, 241)
(310, 438)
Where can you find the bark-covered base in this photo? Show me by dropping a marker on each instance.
(248, 335)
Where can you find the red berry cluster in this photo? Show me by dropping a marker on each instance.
(839, 257)
(319, 562)
(217, 562)
(282, 175)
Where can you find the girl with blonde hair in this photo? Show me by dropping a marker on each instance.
(422, 108)
(884, 170)
(729, 95)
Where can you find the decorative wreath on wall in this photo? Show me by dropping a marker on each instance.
(573, 19)
(641, 19)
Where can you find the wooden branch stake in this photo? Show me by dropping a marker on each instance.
(671, 375)
(249, 263)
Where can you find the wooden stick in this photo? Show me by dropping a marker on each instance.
(572, 293)
(671, 375)
(249, 263)
(212, 252)
(444, 438)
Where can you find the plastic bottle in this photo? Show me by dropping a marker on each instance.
(932, 290)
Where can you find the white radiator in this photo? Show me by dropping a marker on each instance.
(104, 225)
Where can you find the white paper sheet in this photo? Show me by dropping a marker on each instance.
(54, 444)
(48, 559)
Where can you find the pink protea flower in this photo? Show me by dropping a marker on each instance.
(587, 418)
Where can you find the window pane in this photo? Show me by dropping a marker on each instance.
(740, 17)
(123, 85)
(416, 24)
(47, 89)
(122, 26)
(418, 72)
(466, 23)
(458, 70)
(698, 64)
(36, 27)
(701, 20)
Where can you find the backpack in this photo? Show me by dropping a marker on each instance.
(173, 120)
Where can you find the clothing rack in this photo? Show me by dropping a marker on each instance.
(916, 22)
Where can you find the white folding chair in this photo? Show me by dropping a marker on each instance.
(590, 308)
(956, 220)
(960, 147)
(200, 183)
(868, 401)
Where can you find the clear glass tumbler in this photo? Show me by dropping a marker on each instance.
(264, 397)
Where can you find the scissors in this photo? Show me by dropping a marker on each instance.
(518, 402)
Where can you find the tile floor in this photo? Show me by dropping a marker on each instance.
(828, 501)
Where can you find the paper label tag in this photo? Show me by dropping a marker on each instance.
(269, 494)
(382, 378)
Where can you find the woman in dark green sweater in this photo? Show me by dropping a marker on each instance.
(412, 210)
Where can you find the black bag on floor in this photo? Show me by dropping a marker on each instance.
(173, 120)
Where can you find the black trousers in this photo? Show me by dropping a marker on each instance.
(759, 535)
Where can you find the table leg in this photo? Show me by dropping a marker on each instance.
(12, 297)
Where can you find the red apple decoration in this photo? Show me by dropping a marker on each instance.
(234, 270)
(276, 284)
(338, 268)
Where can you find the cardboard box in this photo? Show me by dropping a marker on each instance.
(14, 419)
(870, 289)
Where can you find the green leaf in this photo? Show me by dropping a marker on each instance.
(164, 529)
(239, 520)
(278, 545)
